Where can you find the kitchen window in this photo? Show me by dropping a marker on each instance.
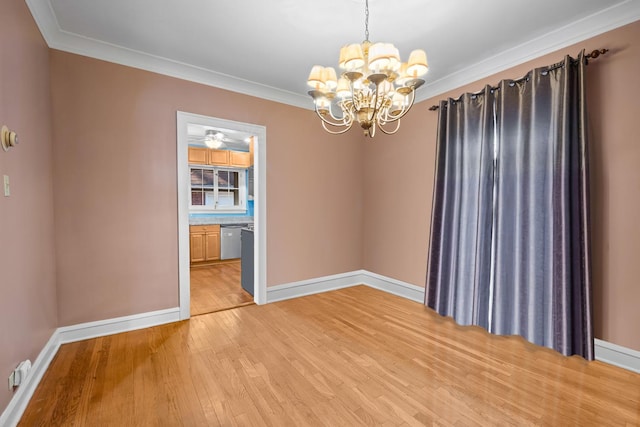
(221, 190)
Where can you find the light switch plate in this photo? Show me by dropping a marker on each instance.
(7, 190)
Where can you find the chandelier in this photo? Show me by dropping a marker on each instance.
(375, 88)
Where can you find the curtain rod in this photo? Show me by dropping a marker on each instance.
(593, 55)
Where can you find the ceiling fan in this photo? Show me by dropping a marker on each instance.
(215, 139)
(218, 139)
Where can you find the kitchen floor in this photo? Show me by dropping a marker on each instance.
(217, 287)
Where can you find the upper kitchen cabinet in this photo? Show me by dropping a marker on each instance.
(219, 157)
(239, 159)
(251, 148)
(206, 156)
(199, 156)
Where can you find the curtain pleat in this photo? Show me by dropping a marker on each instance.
(509, 245)
(460, 251)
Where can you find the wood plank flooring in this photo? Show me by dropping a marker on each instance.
(217, 287)
(350, 357)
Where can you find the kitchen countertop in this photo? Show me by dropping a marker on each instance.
(220, 220)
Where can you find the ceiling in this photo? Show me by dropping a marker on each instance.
(266, 48)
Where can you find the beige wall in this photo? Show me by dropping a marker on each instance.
(399, 179)
(27, 276)
(115, 186)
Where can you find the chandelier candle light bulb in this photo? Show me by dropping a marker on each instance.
(375, 88)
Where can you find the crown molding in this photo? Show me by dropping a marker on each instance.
(56, 38)
(606, 20)
(590, 26)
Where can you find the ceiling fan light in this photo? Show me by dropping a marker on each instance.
(210, 142)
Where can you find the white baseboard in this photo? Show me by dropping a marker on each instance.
(13, 412)
(84, 331)
(617, 355)
(394, 286)
(313, 286)
(345, 280)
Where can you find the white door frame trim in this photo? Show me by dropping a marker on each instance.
(260, 208)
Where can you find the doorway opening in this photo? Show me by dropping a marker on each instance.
(221, 204)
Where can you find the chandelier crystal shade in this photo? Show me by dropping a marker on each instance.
(375, 87)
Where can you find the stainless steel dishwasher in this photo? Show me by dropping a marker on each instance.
(230, 241)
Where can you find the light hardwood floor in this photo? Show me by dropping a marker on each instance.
(217, 287)
(350, 357)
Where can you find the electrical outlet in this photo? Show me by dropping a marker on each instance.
(7, 190)
(21, 372)
(11, 381)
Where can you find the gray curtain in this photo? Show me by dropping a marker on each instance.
(509, 246)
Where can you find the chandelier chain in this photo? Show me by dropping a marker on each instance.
(366, 20)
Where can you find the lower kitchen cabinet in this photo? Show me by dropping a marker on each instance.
(204, 243)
